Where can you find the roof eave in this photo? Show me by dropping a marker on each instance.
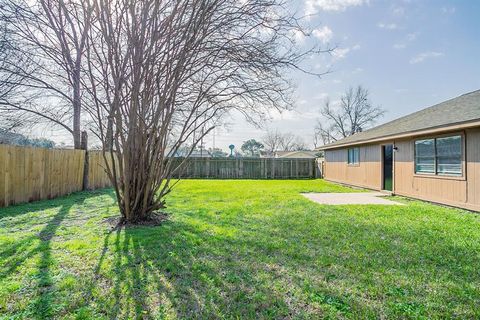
(449, 127)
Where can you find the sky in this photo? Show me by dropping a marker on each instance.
(409, 54)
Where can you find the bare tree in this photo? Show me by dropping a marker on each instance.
(292, 142)
(272, 141)
(278, 141)
(298, 144)
(287, 142)
(7, 80)
(164, 72)
(354, 114)
(323, 135)
(45, 67)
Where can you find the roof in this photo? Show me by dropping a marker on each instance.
(296, 154)
(456, 111)
(184, 152)
(7, 137)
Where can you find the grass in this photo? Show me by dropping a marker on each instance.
(239, 249)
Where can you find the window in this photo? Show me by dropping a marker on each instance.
(449, 155)
(425, 156)
(441, 156)
(353, 156)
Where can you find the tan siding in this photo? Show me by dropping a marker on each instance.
(366, 174)
(473, 166)
(433, 188)
(450, 191)
(456, 191)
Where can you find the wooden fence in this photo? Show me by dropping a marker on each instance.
(247, 168)
(29, 174)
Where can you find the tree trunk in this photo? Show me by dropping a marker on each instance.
(77, 107)
(86, 165)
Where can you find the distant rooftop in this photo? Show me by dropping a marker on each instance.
(463, 109)
(296, 154)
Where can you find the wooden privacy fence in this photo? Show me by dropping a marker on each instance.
(247, 168)
(29, 174)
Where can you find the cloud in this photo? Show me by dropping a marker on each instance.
(387, 26)
(409, 38)
(412, 36)
(398, 11)
(424, 56)
(324, 34)
(292, 115)
(357, 70)
(313, 6)
(321, 96)
(448, 10)
(298, 35)
(340, 53)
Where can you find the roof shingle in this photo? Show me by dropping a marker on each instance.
(464, 108)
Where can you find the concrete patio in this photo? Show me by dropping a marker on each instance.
(350, 198)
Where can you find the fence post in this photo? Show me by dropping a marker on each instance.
(296, 168)
(273, 169)
(265, 168)
(311, 168)
(84, 146)
(291, 169)
(241, 167)
(207, 167)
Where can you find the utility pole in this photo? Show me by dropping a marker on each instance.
(214, 129)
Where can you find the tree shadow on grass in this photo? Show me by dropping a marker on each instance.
(42, 305)
(275, 268)
(192, 273)
(143, 270)
(15, 254)
(177, 269)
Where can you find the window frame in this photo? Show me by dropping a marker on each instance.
(434, 156)
(436, 174)
(353, 164)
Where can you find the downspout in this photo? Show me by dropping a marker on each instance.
(394, 152)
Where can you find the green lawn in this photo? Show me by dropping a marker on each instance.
(240, 249)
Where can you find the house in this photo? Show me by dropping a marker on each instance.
(432, 154)
(7, 137)
(186, 152)
(296, 154)
(200, 153)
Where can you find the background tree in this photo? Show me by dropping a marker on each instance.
(252, 147)
(292, 142)
(8, 81)
(163, 73)
(278, 141)
(9, 137)
(354, 114)
(272, 141)
(48, 39)
(322, 135)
